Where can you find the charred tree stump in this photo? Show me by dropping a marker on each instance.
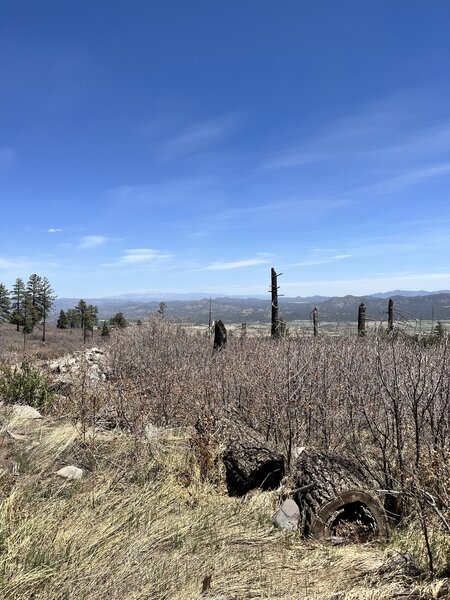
(390, 316)
(362, 320)
(315, 319)
(220, 335)
(250, 462)
(275, 320)
(337, 500)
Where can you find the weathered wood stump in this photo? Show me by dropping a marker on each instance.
(337, 499)
(220, 335)
(250, 462)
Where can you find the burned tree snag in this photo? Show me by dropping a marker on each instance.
(275, 329)
(390, 316)
(336, 499)
(315, 320)
(220, 335)
(362, 320)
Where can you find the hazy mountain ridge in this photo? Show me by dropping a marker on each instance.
(252, 310)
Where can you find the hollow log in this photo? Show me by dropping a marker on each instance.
(250, 461)
(336, 499)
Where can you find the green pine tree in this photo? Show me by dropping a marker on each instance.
(32, 290)
(105, 329)
(63, 321)
(45, 299)
(5, 304)
(81, 309)
(73, 318)
(118, 321)
(17, 297)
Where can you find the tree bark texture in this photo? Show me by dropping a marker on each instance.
(337, 499)
(250, 462)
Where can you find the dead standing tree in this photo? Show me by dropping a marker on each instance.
(390, 316)
(315, 320)
(275, 329)
(362, 320)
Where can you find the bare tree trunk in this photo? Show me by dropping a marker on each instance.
(390, 316)
(275, 330)
(362, 320)
(315, 318)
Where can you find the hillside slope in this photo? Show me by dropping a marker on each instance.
(141, 524)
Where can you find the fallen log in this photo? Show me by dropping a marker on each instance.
(337, 500)
(250, 461)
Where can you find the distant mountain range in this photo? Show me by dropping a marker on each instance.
(238, 309)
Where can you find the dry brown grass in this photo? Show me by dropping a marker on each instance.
(58, 342)
(142, 525)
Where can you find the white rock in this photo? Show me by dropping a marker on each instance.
(151, 431)
(287, 516)
(23, 411)
(70, 472)
(297, 451)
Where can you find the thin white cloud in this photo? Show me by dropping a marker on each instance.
(7, 263)
(321, 261)
(140, 257)
(197, 138)
(385, 130)
(260, 259)
(54, 230)
(92, 241)
(411, 178)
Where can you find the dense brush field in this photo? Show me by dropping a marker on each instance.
(151, 519)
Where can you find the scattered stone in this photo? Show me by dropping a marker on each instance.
(70, 472)
(287, 516)
(93, 359)
(23, 411)
(151, 431)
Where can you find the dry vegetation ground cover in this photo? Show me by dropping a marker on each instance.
(152, 519)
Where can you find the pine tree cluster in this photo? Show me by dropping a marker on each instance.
(26, 305)
(82, 316)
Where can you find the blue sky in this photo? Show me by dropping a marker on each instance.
(189, 146)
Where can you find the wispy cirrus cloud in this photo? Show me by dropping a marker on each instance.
(137, 257)
(92, 241)
(321, 261)
(260, 259)
(54, 230)
(8, 263)
(197, 137)
(407, 179)
(386, 130)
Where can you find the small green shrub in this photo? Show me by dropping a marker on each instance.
(24, 385)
